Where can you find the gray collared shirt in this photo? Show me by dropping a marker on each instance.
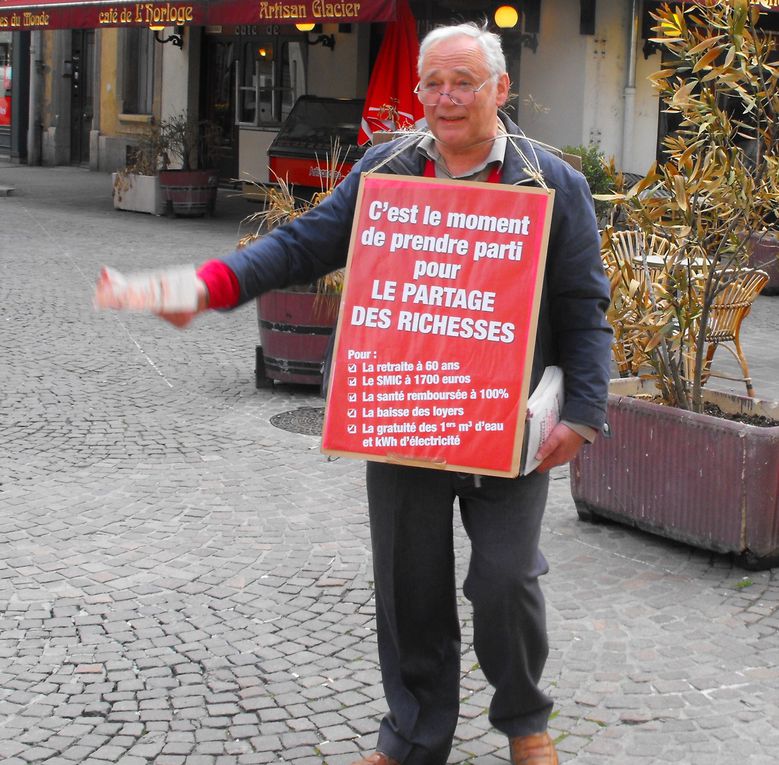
(427, 147)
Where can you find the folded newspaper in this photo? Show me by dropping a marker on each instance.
(169, 290)
(543, 413)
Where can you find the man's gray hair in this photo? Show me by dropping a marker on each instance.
(488, 41)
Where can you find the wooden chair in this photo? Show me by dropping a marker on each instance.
(636, 267)
(648, 254)
(729, 309)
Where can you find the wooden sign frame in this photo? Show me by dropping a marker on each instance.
(437, 324)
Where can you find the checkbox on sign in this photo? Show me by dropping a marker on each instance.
(352, 397)
(352, 368)
(351, 412)
(351, 382)
(351, 429)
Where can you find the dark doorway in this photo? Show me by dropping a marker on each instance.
(81, 106)
(220, 54)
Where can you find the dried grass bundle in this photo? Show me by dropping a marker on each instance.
(282, 207)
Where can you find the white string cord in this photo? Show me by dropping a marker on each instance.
(532, 166)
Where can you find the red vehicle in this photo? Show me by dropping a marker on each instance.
(301, 151)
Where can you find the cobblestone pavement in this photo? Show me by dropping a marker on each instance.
(181, 582)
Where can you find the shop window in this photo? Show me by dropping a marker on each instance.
(138, 83)
(5, 79)
(269, 80)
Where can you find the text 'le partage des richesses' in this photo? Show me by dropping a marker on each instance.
(410, 297)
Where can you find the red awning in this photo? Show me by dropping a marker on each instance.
(66, 14)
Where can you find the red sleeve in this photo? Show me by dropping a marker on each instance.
(221, 283)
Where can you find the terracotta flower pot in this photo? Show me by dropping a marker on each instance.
(189, 192)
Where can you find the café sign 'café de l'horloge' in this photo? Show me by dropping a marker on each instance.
(80, 83)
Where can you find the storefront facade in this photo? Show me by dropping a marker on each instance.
(579, 71)
(107, 71)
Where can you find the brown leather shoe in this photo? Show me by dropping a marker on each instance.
(377, 758)
(536, 749)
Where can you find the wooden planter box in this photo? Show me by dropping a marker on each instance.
(765, 255)
(703, 480)
(189, 192)
(137, 193)
(295, 331)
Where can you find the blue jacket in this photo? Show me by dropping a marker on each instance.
(572, 329)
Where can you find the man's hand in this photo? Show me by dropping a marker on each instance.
(561, 447)
(182, 319)
(176, 295)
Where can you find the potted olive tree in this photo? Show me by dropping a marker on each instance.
(193, 146)
(672, 466)
(136, 186)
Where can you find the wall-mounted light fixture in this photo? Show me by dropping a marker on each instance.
(328, 41)
(177, 38)
(506, 17)
(510, 21)
(586, 17)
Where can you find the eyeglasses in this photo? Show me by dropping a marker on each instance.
(462, 95)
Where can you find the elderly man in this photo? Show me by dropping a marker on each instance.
(463, 85)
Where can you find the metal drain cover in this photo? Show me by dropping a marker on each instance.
(307, 420)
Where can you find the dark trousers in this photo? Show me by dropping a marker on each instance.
(411, 515)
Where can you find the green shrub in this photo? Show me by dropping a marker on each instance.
(594, 171)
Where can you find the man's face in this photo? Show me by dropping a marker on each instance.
(457, 62)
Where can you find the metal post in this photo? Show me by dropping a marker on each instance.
(20, 63)
(629, 102)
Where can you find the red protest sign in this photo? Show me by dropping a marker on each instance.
(437, 324)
